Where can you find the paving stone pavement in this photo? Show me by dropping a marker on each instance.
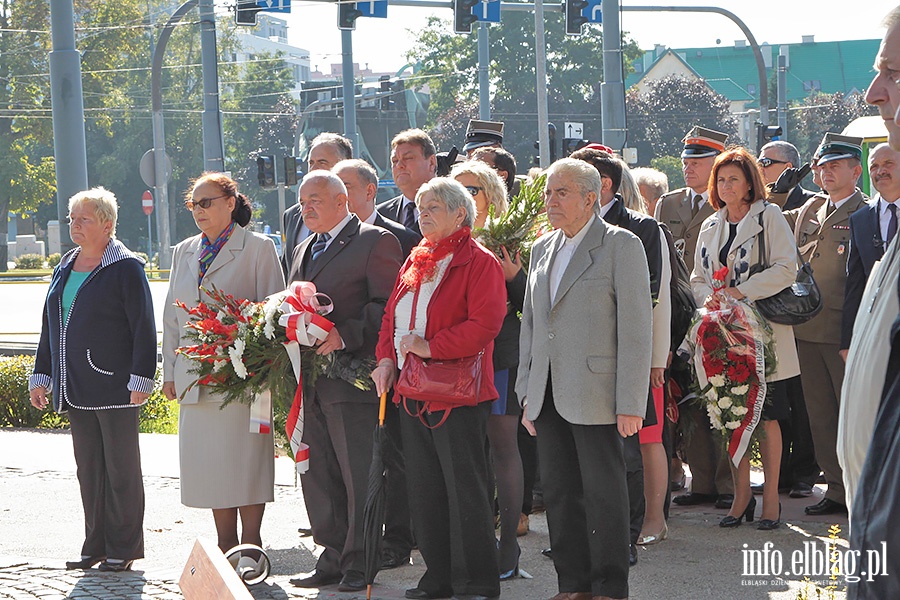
(41, 526)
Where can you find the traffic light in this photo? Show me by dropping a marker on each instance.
(290, 170)
(385, 101)
(463, 16)
(574, 18)
(347, 15)
(765, 134)
(265, 171)
(570, 145)
(551, 128)
(245, 12)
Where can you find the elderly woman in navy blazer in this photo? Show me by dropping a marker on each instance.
(97, 353)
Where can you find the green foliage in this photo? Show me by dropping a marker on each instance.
(522, 223)
(158, 415)
(659, 117)
(819, 113)
(15, 402)
(671, 166)
(53, 259)
(29, 261)
(448, 64)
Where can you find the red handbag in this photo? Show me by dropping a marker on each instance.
(440, 384)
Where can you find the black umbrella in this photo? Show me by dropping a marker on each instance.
(373, 514)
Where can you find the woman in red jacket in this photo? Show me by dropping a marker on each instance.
(449, 302)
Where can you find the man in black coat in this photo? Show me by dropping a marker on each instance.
(413, 162)
(326, 150)
(356, 265)
(871, 231)
(775, 158)
(613, 210)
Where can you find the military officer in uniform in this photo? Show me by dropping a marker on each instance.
(682, 211)
(822, 227)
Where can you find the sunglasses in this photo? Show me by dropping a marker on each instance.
(203, 203)
(768, 162)
(474, 189)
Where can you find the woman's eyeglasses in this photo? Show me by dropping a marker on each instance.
(473, 189)
(768, 162)
(203, 203)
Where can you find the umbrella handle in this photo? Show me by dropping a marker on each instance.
(381, 408)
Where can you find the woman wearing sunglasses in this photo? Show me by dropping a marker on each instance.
(224, 466)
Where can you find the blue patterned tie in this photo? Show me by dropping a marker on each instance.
(892, 223)
(409, 220)
(319, 247)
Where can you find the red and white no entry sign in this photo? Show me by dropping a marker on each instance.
(147, 202)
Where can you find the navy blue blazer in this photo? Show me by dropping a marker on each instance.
(390, 209)
(866, 248)
(646, 228)
(106, 348)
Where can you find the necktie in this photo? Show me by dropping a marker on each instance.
(892, 223)
(695, 205)
(319, 247)
(409, 219)
(831, 208)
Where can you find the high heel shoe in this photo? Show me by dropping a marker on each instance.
(86, 562)
(115, 566)
(649, 540)
(514, 572)
(729, 521)
(769, 524)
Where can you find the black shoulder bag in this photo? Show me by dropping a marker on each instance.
(795, 304)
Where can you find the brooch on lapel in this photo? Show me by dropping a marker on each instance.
(841, 249)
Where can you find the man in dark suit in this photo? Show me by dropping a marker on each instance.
(871, 230)
(356, 265)
(361, 182)
(799, 469)
(326, 150)
(584, 393)
(612, 210)
(775, 158)
(413, 162)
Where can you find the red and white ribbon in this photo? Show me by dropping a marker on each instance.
(303, 319)
(261, 413)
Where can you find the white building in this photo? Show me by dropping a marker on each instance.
(270, 36)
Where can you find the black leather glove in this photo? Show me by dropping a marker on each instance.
(790, 179)
(445, 161)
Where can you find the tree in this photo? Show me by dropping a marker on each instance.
(448, 63)
(671, 106)
(810, 120)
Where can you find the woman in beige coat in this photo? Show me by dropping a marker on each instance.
(730, 238)
(224, 466)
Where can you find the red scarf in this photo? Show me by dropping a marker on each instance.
(425, 256)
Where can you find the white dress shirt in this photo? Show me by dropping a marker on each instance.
(884, 216)
(563, 256)
(332, 233)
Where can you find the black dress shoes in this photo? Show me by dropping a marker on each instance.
(801, 490)
(632, 555)
(391, 559)
(115, 566)
(825, 507)
(693, 499)
(724, 501)
(352, 581)
(316, 580)
(417, 594)
(473, 597)
(548, 552)
(84, 563)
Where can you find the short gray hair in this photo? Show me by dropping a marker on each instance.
(334, 183)
(452, 194)
(494, 187)
(106, 207)
(892, 18)
(582, 174)
(657, 181)
(342, 145)
(786, 150)
(363, 170)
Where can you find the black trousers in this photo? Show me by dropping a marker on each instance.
(585, 491)
(634, 477)
(798, 456)
(447, 473)
(108, 461)
(397, 530)
(339, 435)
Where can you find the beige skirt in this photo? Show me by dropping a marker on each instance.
(223, 465)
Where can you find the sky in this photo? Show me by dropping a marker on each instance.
(381, 43)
